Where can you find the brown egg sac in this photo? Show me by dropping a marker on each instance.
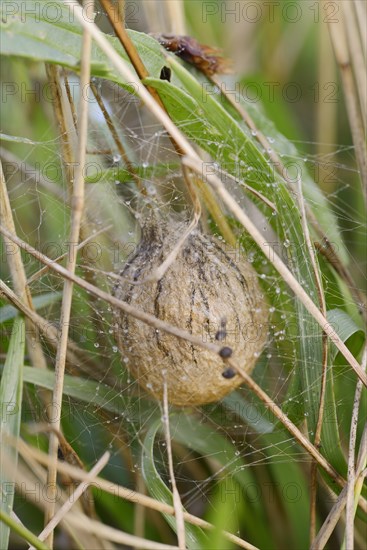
(208, 291)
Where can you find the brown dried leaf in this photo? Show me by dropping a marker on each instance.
(205, 58)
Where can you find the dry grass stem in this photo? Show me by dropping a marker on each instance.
(32, 172)
(357, 56)
(80, 246)
(327, 112)
(119, 491)
(84, 523)
(66, 507)
(71, 101)
(176, 16)
(177, 504)
(77, 206)
(339, 40)
(128, 45)
(360, 7)
(59, 102)
(18, 275)
(336, 512)
(32, 475)
(115, 136)
(330, 523)
(139, 510)
(361, 468)
(350, 506)
(322, 303)
(74, 355)
(121, 11)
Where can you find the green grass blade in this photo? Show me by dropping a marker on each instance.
(10, 417)
(351, 334)
(9, 312)
(122, 175)
(251, 414)
(334, 416)
(224, 515)
(19, 139)
(22, 531)
(40, 36)
(89, 391)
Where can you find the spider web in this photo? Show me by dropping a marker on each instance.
(115, 208)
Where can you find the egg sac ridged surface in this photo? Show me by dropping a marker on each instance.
(205, 290)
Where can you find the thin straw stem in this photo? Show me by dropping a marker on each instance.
(77, 206)
(18, 275)
(339, 40)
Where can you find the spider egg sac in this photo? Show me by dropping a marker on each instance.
(207, 291)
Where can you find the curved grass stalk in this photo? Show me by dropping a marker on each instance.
(22, 531)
